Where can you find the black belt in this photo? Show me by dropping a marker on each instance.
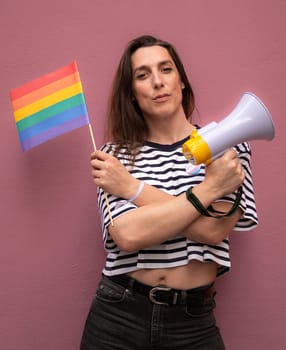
(164, 295)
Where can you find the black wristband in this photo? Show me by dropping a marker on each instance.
(210, 211)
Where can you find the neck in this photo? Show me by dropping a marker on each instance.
(168, 132)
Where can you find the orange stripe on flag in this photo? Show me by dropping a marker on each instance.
(45, 91)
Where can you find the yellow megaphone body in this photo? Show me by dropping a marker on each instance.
(250, 120)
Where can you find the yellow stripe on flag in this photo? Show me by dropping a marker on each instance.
(47, 101)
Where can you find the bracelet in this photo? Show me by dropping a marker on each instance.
(137, 193)
(210, 211)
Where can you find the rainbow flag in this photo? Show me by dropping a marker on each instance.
(49, 106)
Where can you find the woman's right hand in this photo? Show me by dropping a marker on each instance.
(225, 174)
(112, 176)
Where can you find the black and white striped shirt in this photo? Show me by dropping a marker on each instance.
(164, 166)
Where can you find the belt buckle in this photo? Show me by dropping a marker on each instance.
(152, 294)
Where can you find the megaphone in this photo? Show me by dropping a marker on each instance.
(250, 120)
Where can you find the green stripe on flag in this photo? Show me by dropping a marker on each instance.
(50, 111)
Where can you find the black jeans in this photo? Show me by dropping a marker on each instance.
(122, 319)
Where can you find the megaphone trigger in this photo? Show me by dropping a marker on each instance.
(192, 169)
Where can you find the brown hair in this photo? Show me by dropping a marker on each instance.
(126, 124)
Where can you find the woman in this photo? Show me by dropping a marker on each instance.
(164, 251)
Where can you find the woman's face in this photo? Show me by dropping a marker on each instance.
(157, 86)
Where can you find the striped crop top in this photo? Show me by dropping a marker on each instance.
(164, 167)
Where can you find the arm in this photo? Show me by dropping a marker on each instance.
(161, 216)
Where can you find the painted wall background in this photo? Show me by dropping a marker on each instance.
(51, 253)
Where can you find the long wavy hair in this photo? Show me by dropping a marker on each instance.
(126, 125)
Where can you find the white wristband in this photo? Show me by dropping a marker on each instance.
(138, 192)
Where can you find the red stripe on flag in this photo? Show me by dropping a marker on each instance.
(44, 80)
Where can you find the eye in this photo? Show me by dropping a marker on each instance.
(167, 69)
(141, 75)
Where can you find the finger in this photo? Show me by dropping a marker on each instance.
(97, 164)
(93, 155)
(96, 174)
(99, 155)
(230, 154)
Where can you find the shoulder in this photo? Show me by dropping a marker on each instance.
(243, 147)
(243, 151)
(108, 147)
(113, 148)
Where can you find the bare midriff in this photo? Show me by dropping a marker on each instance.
(193, 275)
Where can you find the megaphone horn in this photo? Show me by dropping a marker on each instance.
(250, 120)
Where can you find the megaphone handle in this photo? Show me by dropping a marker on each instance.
(210, 211)
(234, 207)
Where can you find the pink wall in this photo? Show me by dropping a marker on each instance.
(50, 252)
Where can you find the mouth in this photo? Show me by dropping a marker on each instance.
(161, 97)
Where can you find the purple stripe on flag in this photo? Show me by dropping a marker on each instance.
(54, 132)
(52, 122)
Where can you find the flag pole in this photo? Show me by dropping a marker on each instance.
(105, 196)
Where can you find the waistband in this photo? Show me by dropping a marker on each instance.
(163, 295)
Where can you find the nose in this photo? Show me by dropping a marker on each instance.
(157, 80)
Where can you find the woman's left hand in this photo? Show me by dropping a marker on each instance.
(112, 176)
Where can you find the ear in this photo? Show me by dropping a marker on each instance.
(183, 85)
